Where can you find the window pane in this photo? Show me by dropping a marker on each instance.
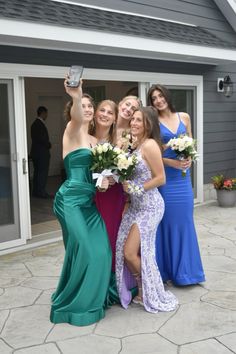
(6, 200)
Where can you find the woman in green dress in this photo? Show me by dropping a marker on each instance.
(81, 293)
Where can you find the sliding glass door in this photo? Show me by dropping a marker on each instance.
(14, 200)
(9, 200)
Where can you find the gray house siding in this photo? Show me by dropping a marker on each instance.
(219, 125)
(203, 13)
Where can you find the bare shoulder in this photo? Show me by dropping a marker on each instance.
(185, 117)
(150, 145)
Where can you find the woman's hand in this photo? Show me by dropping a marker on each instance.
(182, 164)
(104, 185)
(111, 181)
(74, 92)
(125, 185)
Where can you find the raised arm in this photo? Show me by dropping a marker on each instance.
(76, 112)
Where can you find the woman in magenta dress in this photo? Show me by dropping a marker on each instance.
(111, 203)
(109, 124)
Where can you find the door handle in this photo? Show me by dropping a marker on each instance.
(24, 166)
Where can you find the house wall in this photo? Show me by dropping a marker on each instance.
(203, 13)
(219, 125)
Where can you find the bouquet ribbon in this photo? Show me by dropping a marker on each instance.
(104, 173)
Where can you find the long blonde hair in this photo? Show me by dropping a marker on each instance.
(114, 108)
(131, 97)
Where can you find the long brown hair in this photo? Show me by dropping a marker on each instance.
(151, 124)
(69, 104)
(165, 92)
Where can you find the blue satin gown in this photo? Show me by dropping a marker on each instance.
(177, 250)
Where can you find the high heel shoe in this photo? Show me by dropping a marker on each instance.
(138, 300)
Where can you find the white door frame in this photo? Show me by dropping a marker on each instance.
(21, 153)
(17, 72)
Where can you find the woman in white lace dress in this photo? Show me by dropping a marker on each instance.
(135, 248)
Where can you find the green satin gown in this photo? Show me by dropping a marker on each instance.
(80, 297)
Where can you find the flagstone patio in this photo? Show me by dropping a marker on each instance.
(205, 321)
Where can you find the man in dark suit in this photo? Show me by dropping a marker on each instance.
(40, 153)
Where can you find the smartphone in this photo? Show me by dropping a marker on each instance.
(75, 74)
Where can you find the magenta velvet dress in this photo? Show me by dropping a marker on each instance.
(111, 204)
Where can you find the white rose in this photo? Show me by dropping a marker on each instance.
(99, 149)
(121, 156)
(122, 164)
(105, 147)
(117, 150)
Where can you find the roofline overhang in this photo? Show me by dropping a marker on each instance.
(45, 36)
(228, 8)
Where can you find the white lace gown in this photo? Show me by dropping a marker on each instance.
(146, 211)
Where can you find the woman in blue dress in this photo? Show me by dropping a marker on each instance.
(177, 250)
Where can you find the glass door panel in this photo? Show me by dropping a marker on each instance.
(183, 100)
(9, 200)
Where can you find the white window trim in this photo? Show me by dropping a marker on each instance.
(21, 152)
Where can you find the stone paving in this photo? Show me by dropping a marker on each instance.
(204, 323)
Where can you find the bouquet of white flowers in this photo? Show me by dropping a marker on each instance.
(125, 164)
(108, 160)
(103, 162)
(125, 141)
(185, 147)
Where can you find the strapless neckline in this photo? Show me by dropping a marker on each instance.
(71, 152)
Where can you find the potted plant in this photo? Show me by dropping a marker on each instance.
(225, 190)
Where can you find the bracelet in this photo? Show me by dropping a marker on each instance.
(135, 189)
